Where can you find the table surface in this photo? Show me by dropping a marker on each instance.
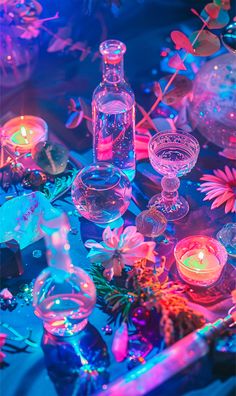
(56, 79)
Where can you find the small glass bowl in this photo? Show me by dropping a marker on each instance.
(101, 193)
(200, 260)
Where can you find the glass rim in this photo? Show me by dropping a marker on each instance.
(112, 48)
(26, 118)
(221, 251)
(97, 165)
(177, 132)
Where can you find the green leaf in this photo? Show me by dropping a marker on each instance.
(206, 44)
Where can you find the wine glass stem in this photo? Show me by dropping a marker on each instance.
(170, 185)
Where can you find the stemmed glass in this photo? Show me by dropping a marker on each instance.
(172, 154)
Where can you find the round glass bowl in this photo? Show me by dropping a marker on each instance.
(200, 260)
(101, 193)
(212, 109)
(64, 300)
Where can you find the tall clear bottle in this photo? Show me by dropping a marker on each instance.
(114, 112)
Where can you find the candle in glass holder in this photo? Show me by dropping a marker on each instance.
(200, 260)
(24, 132)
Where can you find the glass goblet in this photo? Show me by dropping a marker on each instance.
(172, 154)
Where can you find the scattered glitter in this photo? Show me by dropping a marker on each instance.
(74, 231)
(37, 253)
(107, 330)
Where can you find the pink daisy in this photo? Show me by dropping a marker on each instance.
(221, 187)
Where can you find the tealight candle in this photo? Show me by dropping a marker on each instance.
(200, 260)
(24, 132)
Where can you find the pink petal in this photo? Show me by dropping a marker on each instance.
(221, 174)
(110, 237)
(222, 189)
(134, 241)
(227, 195)
(214, 194)
(90, 243)
(128, 233)
(118, 231)
(108, 273)
(96, 256)
(229, 173)
(145, 250)
(230, 205)
(213, 184)
(6, 294)
(211, 178)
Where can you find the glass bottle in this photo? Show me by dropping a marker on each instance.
(113, 108)
(64, 295)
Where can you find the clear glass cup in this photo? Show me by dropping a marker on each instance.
(200, 260)
(172, 154)
(101, 193)
(113, 108)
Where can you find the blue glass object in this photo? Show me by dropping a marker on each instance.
(227, 236)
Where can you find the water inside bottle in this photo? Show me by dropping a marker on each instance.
(114, 132)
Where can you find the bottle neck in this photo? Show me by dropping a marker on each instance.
(56, 238)
(113, 72)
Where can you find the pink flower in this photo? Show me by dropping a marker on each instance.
(2, 342)
(120, 248)
(221, 187)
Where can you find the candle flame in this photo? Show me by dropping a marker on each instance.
(200, 255)
(24, 134)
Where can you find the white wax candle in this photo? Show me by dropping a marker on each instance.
(200, 265)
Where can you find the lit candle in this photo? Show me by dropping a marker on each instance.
(200, 260)
(22, 133)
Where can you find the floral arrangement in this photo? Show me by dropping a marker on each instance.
(119, 248)
(221, 188)
(132, 288)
